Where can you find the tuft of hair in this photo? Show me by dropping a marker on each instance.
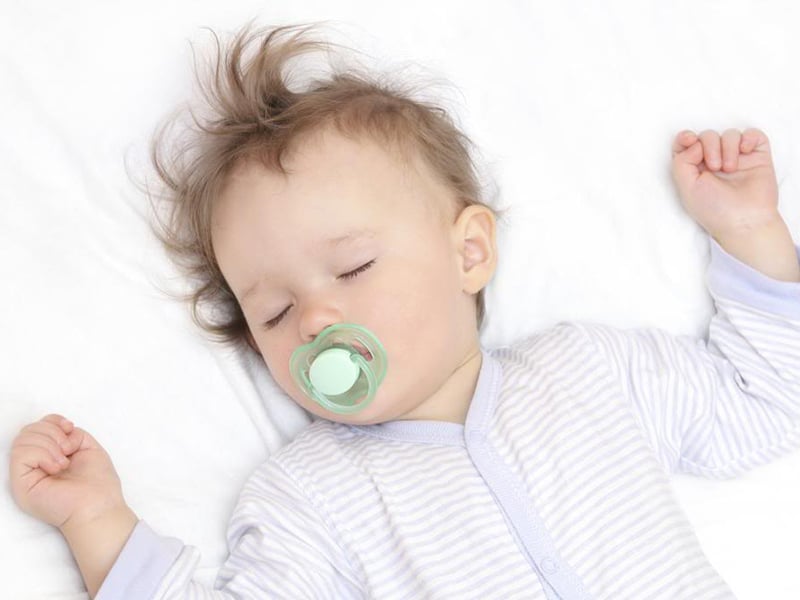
(253, 108)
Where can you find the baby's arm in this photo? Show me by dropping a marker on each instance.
(719, 406)
(727, 184)
(62, 476)
(281, 546)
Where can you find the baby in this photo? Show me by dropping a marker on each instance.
(338, 232)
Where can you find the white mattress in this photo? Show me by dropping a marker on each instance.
(574, 104)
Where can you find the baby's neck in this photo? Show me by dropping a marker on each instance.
(451, 402)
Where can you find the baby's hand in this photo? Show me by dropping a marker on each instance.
(60, 474)
(726, 183)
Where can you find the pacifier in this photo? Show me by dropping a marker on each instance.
(341, 369)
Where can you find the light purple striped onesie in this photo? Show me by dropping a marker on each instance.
(556, 486)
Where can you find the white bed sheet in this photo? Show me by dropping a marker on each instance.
(574, 105)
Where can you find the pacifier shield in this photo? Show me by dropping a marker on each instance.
(341, 369)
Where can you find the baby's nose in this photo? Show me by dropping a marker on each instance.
(316, 318)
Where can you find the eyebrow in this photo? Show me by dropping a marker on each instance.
(331, 243)
(350, 236)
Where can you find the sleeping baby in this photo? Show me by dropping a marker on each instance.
(338, 231)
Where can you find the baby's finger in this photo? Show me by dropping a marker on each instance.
(686, 164)
(64, 423)
(731, 141)
(34, 439)
(46, 428)
(77, 439)
(683, 141)
(712, 152)
(25, 459)
(754, 139)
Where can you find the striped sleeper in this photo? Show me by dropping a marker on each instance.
(556, 486)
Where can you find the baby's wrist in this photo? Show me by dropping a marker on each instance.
(767, 247)
(96, 539)
(91, 517)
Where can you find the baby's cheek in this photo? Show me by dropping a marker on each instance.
(278, 367)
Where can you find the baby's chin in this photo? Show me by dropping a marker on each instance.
(371, 415)
(380, 410)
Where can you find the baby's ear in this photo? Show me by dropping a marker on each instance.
(474, 236)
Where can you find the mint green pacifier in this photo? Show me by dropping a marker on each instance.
(341, 369)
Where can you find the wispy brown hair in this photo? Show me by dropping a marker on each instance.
(250, 112)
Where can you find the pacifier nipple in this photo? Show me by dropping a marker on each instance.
(341, 369)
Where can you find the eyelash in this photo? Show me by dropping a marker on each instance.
(356, 272)
(275, 320)
(344, 276)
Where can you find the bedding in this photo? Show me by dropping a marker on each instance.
(573, 106)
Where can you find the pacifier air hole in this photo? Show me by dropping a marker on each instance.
(361, 350)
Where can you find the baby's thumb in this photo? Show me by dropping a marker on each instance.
(79, 439)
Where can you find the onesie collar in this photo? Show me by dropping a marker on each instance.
(480, 410)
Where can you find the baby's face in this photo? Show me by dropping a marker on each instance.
(350, 235)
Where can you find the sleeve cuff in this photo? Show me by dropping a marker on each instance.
(730, 278)
(141, 566)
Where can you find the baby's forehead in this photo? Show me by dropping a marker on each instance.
(333, 165)
(363, 146)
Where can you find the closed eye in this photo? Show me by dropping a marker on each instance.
(275, 320)
(356, 272)
(344, 276)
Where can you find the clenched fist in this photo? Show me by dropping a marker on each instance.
(726, 182)
(59, 473)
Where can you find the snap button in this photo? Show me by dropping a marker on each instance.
(548, 565)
